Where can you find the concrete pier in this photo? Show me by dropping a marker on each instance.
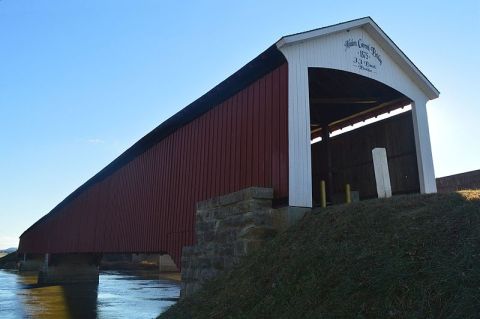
(30, 262)
(69, 268)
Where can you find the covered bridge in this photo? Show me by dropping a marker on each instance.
(256, 129)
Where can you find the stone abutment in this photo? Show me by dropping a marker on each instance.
(227, 228)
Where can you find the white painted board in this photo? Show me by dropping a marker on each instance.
(382, 177)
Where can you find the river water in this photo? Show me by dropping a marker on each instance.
(118, 295)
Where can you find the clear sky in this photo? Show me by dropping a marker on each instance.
(81, 81)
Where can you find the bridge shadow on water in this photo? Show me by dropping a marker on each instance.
(81, 300)
(117, 296)
(60, 301)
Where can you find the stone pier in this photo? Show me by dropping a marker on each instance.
(69, 268)
(228, 228)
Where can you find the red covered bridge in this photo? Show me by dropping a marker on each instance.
(256, 129)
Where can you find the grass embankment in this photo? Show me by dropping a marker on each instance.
(404, 257)
(9, 261)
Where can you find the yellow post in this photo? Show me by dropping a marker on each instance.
(323, 196)
(348, 195)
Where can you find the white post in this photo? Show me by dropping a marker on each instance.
(426, 172)
(382, 176)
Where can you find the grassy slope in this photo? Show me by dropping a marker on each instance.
(405, 257)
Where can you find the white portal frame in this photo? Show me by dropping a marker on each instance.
(324, 48)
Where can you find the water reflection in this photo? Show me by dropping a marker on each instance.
(116, 296)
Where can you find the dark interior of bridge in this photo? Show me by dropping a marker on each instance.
(339, 99)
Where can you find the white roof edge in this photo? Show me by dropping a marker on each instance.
(307, 35)
(377, 33)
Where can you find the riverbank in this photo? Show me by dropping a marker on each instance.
(125, 264)
(412, 256)
(8, 261)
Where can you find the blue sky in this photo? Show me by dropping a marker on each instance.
(81, 81)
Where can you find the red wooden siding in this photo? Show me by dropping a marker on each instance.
(148, 205)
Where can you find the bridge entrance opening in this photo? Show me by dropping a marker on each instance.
(350, 115)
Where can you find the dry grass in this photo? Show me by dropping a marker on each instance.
(471, 194)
